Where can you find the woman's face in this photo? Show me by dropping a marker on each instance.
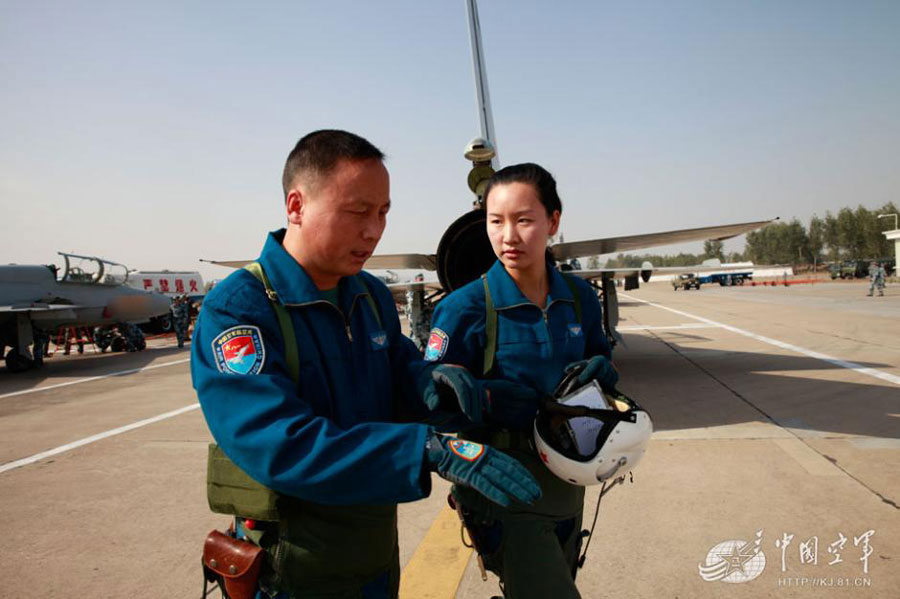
(518, 226)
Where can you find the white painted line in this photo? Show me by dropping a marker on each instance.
(93, 378)
(690, 325)
(94, 438)
(878, 374)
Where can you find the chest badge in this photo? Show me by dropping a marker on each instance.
(575, 330)
(379, 340)
(239, 350)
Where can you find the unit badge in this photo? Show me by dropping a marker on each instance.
(437, 345)
(379, 340)
(575, 330)
(239, 350)
(466, 449)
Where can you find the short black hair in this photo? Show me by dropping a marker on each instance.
(530, 174)
(318, 152)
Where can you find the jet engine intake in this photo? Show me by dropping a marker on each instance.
(464, 252)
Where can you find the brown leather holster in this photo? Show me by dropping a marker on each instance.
(233, 563)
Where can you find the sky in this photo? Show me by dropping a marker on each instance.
(154, 133)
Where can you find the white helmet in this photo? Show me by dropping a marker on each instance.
(585, 438)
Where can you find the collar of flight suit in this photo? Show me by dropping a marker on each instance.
(505, 293)
(291, 282)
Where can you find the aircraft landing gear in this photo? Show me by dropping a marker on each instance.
(16, 362)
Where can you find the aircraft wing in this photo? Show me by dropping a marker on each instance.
(621, 273)
(612, 273)
(628, 243)
(37, 307)
(648, 269)
(398, 290)
(376, 262)
(565, 251)
(385, 261)
(228, 263)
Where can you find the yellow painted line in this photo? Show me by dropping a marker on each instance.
(437, 566)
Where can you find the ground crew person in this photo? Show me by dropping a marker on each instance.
(525, 322)
(41, 345)
(313, 418)
(181, 315)
(418, 315)
(876, 278)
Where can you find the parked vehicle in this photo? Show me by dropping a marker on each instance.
(686, 281)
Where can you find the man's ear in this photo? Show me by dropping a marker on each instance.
(294, 206)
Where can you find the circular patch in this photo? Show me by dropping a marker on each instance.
(438, 342)
(239, 350)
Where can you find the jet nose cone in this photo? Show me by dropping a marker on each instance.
(159, 304)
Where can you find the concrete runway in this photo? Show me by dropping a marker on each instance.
(777, 412)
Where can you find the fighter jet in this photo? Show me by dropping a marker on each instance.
(90, 291)
(464, 252)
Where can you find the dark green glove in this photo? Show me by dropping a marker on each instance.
(511, 405)
(453, 388)
(599, 369)
(495, 475)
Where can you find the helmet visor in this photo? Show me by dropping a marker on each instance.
(579, 424)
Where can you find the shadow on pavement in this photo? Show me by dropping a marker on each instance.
(86, 365)
(684, 387)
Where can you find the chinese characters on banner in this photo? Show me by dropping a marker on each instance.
(176, 285)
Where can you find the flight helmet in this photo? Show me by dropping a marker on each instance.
(586, 437)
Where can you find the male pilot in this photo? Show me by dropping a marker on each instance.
(302, 372)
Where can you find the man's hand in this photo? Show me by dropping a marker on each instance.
(597, 368)
(450, 388)
(495, 475)
(511, 405)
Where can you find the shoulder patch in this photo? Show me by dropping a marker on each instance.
(239, 350)
(437, 345)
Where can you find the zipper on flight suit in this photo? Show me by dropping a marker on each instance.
(346, 318)
(544, 313)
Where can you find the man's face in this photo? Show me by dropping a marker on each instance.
(342, 216)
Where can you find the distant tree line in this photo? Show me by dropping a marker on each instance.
(849, 234)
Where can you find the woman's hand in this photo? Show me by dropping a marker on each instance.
(599, 369)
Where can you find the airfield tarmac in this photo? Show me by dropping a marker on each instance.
(776, 409)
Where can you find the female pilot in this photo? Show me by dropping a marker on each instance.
(520, 327)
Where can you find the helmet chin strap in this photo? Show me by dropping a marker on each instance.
(604, 489)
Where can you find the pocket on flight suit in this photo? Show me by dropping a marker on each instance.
(573, 342)
(522, 340)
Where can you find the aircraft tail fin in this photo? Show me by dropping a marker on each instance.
(482, 95)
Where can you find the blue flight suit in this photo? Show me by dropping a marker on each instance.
(533, 548)
(331, 441)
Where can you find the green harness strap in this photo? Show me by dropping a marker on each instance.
(570, 281)
(291, 355)
(230, 490)
(491, 319)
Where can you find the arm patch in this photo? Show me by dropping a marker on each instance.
(239, 350)
(438, 342)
